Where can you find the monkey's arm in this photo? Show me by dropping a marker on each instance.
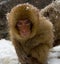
(39, 46)
(41, 53)
(21, 53)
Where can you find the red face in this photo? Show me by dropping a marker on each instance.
(24, 28)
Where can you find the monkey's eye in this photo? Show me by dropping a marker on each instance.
(19, 23)
(27, 22)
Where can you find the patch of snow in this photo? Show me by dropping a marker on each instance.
(7, 53)
(54, 55)
(54, 61)
(57, 48)
(27, 8)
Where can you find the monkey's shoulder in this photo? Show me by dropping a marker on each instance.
(45, 24)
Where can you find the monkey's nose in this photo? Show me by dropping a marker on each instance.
(24, 31)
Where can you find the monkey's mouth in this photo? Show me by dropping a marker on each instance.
(24, 34)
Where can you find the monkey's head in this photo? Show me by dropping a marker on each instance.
(23, 21)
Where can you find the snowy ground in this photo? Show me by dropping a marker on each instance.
(54, 55)
(8, 54)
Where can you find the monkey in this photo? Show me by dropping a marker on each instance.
(24, 27)
(31, 34)
(52, 13)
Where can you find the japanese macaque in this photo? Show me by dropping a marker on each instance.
(52, 12)
(24, 27)
(31, 34)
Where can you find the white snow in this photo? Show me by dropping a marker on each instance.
(27, 8)
(8, 54)
(54, 55)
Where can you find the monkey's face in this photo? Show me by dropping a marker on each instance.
(23, 21)
(24, 28)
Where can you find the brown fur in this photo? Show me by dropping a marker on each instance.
(52, 13)
(32, 50)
